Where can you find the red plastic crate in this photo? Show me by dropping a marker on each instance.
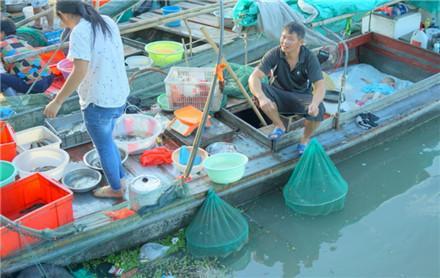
(37, 202)
(8, 147)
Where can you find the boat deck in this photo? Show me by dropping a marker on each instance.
(191, 26)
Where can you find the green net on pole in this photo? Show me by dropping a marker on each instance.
(316, 187)
(217, 230)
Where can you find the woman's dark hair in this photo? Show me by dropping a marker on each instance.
(298, 29)
(86, 11)
(7, 26)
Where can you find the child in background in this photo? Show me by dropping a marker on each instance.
(385, 87)
(19, 75)
(38, 6)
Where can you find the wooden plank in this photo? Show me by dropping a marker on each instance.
(205, 19)
(195, 30)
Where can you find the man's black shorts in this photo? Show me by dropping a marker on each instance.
(289, 103)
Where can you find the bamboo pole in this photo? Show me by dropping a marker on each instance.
(32, 18)
(152, 22)
(234, 76)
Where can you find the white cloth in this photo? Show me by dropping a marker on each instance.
(106, 82)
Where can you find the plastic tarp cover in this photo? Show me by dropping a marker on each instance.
(432, 6)
(246, 11)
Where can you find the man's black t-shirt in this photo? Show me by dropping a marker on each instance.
(300, 79)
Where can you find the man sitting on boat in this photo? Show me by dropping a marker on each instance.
(20, 75)
(296, 84)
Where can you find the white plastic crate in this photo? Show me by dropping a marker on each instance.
(190, 86)
(32, 138)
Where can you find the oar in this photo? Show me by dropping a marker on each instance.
(234, 76)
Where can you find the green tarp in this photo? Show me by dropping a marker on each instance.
(246, 11)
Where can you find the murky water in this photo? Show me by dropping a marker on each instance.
(390, 226)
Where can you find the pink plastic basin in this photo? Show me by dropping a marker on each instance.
(65, 66)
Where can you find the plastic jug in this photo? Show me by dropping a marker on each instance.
(419, 38)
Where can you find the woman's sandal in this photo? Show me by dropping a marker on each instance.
(107, 192)
(276, 133)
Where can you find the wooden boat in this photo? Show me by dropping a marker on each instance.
(270, 164)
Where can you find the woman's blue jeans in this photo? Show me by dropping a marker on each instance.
(100, 122)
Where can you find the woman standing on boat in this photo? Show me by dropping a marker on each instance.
(100, 79)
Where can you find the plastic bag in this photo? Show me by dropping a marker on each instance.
(152, 251)
(316, 187)
(221, 147)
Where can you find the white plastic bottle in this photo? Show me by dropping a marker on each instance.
(419, 38)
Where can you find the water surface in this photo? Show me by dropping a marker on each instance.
(390, 225)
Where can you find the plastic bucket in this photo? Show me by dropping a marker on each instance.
(225, 168)
(7, 172)
(169, 10)
(65, 66)
(164, 52)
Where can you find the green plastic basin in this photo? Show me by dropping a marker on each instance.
(7, 172)
(225, 168)
(164, 52)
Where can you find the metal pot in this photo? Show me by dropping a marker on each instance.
(144, 191)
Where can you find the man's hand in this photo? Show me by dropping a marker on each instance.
(313, 110)
(52, 109)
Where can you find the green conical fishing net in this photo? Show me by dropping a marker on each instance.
(218, 229)
(316, 187)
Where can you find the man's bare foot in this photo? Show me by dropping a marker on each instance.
(107, 192)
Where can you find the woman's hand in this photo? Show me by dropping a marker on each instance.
(52, 109)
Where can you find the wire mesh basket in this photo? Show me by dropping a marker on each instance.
(190, 86)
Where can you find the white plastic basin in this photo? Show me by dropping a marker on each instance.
(48, 161)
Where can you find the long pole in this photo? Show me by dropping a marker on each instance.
(234, 76)
(32, 18)
(199, 133)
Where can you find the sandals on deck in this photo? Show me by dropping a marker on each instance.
(276, 133)
(107, 192)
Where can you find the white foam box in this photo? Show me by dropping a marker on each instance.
(393, 27)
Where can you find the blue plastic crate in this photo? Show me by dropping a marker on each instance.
(53, 37)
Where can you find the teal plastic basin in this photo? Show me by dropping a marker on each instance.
(225, 168)
(7, 172)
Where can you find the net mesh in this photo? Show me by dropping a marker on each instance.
(218, 229)
(316, 187)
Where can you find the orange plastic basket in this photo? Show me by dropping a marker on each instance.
(53, 64)
(7, 142)
(36, 202)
